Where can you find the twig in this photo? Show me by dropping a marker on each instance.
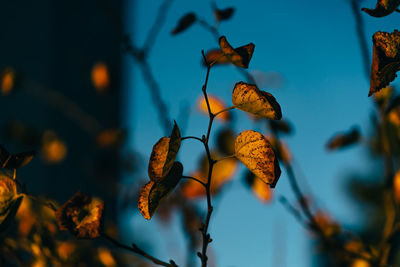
(192, 137)
(135, 249)
(194, 179)
(224, 110)
(224, 158)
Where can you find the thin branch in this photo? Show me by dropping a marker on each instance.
(224, 110)
(292, 210)
(135, 249)
(192, 137)
(194, 179)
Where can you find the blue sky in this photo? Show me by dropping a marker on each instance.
(314, 46)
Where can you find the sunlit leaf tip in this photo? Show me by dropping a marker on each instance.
(346, 139)
(152, 193)
(184, 23)
(383, 8)
(385, 60)
(163, 154)
(249, 98)
(82, 215)
(240, 56)
(256, 153)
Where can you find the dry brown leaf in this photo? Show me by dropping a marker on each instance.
(82, 215)
(216, 105)
(256, 153)
(223, 14)
(249, 98)
(240, 56)
(163, 155)
(154, 192)
(383, 8)
(342, 140)
(385, 60)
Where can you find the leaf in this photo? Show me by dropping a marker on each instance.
(226, 142)
(54, 150)
(223, 14)
(256, 153)
(153, 192)
(184, 23)
(382, 98)
(396, 187)
(14, 161)
(223, 172)
(249, 98)
(240, 56)
(101, 77)
(281, 126)
(163, 155)
(216, 104)
(10, 200)
(342, 140)
(110, 138)
(385, 60)
(81, 215)
(260, 189)
(383, 8)
(8, 81)
(282, 151)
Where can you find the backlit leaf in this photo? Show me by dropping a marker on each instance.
(82, 215)
(383, 8)
(256, 153)
(10, 200)
(184, 23)
(344, 139)
(260, 189)
(240, 56)
(385, 60)
(249, 98)
(223, 14)
(153, 192)
(163, 155)
(396, 187)
(14, 161)
(216, 104)
(8, 78)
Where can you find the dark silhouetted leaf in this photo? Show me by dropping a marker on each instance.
(383, 8)
(163, 155)
(14, 161)
(280, 126)
(385, 60)
(81, 215)
(184, 23)
(226, 141)
(249, 98)
(153, 192)
(240, 56)
(223, 14)
(256, 153)
(342, 140)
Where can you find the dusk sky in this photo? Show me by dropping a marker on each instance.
(314, 47)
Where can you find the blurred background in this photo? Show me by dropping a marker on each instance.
(92, 85)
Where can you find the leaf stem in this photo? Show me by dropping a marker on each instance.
(194, 179)
(227, 157)
(224, 110)
(135, 249)
(192, 137)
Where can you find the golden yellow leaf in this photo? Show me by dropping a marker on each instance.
(360, 263)
(152, 193)
(249, 98)
(262, 191)
(256, 153)
(100, 77)
(65, 249)
(240, 56)
(216, 105)
(82, 215)
(163, 155)
(10, 200)
(106, 257)
(7, 81)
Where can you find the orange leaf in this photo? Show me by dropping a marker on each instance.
(100, 77)
(216, 104)
(240, 56)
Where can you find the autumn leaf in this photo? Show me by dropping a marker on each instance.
(100, 77)
(8, 81)
(326, 224)
(184, 23)
(396, 187)
(385, 60)
(226, 141)
(223, 14)
(249, 98)
(82, 215)
(163, 155)
(223, 172)
(382, 98)
(342, 140)
(153, 192)
(14, 161)
(280, 126)
(216, 105)
(110, 138)
(10, 200)
(282, 151)
(256, 153)
(260, 189)
(383, 8)
(54, 150)
(240, 56)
